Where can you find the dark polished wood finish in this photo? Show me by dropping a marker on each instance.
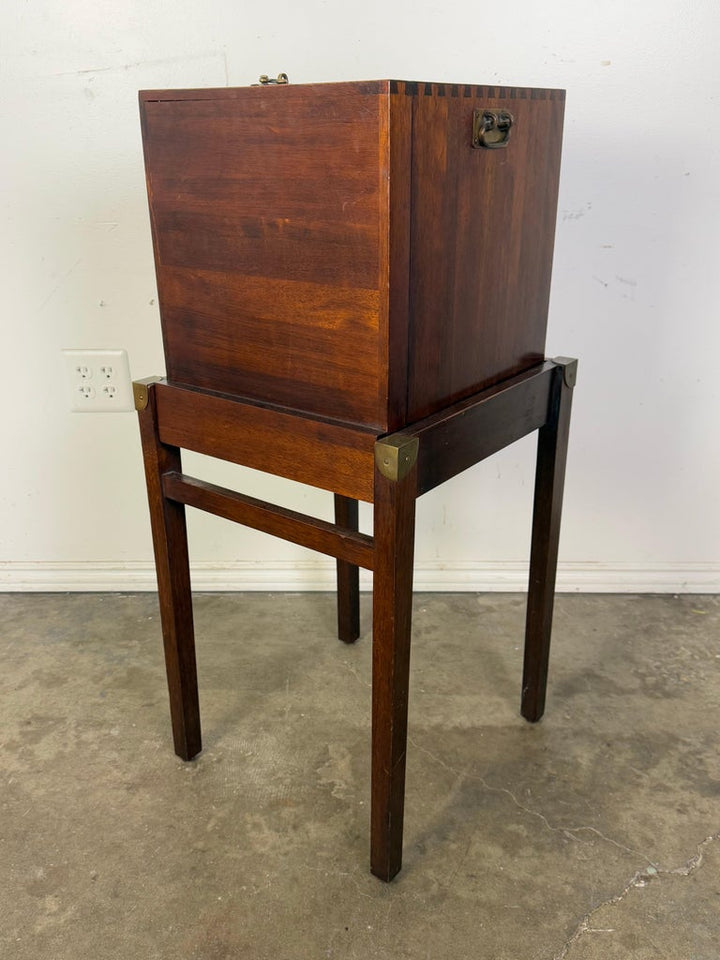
(341, 249)
(266, 208)
(549, 486)
(394, 525)
(335, 540)
(474, 429)
(354, 297)
(348, 575)
(169, 532)
(447, 443)
(482, 229)
(330, 455)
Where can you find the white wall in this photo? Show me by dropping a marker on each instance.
(635, 290)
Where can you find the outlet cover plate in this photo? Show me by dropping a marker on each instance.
(98, 381)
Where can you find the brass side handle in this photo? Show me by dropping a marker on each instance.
(491, 128)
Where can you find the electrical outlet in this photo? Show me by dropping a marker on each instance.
(98, 381)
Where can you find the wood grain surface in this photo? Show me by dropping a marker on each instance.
(267, 209)
(328, 455)
(342, 249)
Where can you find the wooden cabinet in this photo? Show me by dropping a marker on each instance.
(344, 250)
(354, 283)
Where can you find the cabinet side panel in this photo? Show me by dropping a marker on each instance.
(483, 223)
(266, 209)
(400, 155)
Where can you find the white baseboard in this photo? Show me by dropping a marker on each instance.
(507, 576)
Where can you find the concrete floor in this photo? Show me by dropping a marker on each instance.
(594, 834)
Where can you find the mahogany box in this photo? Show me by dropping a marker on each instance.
(364, 252)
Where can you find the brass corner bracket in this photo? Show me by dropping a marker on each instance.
(140, 391)
(395, 456)
(569, 365)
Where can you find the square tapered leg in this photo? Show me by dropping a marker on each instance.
(169, 535)
(392, 614)
(549, 484)
(348, 575)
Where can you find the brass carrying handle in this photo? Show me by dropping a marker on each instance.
(265, 80)
(491, 128)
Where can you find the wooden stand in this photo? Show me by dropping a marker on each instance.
(355, 463)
